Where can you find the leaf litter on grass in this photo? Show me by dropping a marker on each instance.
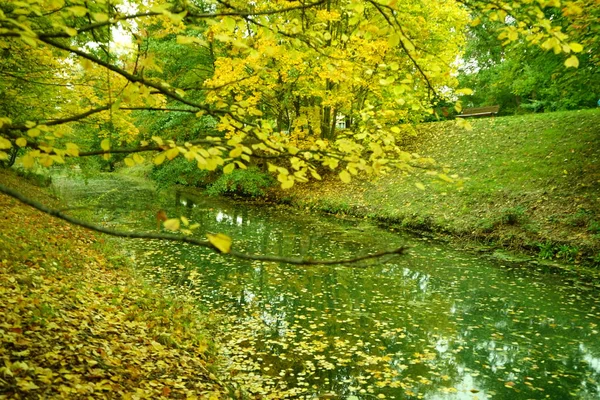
(73, 326)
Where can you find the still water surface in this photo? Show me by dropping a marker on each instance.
(436, 323)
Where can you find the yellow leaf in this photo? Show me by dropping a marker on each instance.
(576, 47)
(70, 31)
(465, 91)
(221, 241)
(21, 142)
(229, 23)
(158, 140)
(172, 153)
(236, 152)
(419, 185)
(105, 144)
(46, 161)
(138, 158)
(211, 164)
(286, 184)
(72, 149)
(345, 176)
(100, 17)
(185, 39)
(34, 132)
(572, 61)
(28, 161)
(129, 162)
(159, 159)
(228, 168)
(463, 123)
(29, 40)
(78, 11)
(172, 224)
(5, 143)
(445, 177)
(3, 156)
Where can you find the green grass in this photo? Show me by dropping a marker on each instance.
(519, 181)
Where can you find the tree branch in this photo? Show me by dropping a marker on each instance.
(113, 21)
(191, 240)
(55, 121)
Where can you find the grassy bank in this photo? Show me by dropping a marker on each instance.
(530, 183)
(76, 321)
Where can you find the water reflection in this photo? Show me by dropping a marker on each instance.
(436, 324)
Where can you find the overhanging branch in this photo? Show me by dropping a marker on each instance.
(188, 239)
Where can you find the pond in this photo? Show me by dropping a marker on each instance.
(435, 323)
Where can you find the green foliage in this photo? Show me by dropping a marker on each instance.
(41, 179)
(520, 175)
(250, 182)
(512, 215)
(594, 227)
(567, 253)
(581, 218)
(546, 250)
(180, 172)
(523, 79)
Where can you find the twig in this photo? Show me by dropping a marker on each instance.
(191, 240)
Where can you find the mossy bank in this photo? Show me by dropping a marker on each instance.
(529, 183)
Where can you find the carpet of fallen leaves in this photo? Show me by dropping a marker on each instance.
(76, 322)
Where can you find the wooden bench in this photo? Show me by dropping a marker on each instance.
(479, 112)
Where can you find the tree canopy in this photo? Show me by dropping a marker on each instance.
(518, 77)
(300, 87)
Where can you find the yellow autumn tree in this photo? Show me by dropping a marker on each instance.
(324, 84)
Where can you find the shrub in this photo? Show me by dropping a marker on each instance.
(37, 179)
(249, 182)
(567, 253)
(546, 250)
(180, 171)
(512, 215)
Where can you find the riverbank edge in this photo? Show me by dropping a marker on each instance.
(518, 248)
(79, 320)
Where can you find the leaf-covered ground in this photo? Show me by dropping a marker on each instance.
(76, 322)
(526, 182)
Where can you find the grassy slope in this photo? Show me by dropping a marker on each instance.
(77, 322)
(530, 182)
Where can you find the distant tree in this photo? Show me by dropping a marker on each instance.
(222, 83)
(518, 76)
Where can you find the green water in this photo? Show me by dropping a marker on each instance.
(436, 323)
